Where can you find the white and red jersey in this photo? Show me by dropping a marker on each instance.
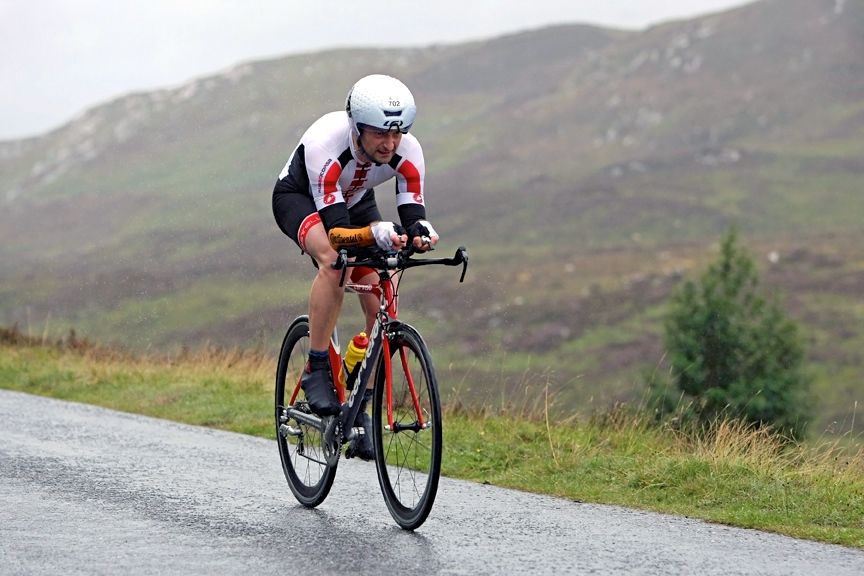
(324, 165)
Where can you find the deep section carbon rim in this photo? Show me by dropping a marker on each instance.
(408, 455)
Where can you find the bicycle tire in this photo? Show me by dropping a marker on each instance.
(408, 459)
(303, 462)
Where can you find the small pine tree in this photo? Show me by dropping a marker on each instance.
(734, 354)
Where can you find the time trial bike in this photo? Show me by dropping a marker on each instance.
(406, 407)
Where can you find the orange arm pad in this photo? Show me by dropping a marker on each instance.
(351, 237)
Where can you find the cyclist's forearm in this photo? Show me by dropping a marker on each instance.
(340, 231)
(411, 213)
(346, 237)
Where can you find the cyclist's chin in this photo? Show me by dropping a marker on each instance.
(384, 158)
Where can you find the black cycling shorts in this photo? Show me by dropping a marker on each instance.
(295, 213)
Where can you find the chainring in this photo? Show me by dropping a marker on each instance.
(331, 440)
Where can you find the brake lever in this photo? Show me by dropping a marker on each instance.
(462, 256)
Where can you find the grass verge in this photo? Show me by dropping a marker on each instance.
(728, 473)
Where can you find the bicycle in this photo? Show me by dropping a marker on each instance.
(406, 407)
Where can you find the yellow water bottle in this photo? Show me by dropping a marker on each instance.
(353, 357)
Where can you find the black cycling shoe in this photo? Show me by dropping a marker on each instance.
(361, 445)
(319, 392)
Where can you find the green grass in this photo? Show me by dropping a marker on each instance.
(738, 477)
(225, 390)
(728, 474)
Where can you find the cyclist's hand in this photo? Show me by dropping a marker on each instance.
(389, 236)
(422, 235)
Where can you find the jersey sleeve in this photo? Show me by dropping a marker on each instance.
(323, 172)
(410, 181)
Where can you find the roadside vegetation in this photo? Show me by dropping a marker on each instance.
(733, 353)
(725, 471)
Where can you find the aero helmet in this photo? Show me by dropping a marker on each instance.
(382, 103)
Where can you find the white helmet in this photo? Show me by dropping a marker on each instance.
(380, 102)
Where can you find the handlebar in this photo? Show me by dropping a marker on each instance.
(396, 260)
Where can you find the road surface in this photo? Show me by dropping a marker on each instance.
(84, 490)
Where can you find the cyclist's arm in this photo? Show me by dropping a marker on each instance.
(385, 235)
(351, 237)
(410, 168)
(410, 214)
(323, 174)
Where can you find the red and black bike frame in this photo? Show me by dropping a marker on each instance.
(386, 326)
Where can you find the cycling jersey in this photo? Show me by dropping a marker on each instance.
(324, 167)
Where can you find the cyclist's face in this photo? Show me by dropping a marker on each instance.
(380, 144)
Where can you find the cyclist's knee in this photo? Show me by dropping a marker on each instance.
(327, 273)
(318, 246)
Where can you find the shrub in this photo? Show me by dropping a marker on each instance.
(734, 354)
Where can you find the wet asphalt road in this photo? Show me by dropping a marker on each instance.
(85, 490)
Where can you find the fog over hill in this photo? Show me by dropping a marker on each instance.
(586, 169)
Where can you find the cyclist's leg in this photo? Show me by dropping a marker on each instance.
(369, 302)
(298, 218)
(325, 296)
(364, 213)
(325, 302)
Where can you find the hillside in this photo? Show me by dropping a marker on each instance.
(587, 170)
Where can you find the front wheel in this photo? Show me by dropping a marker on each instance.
(408, 453)
(301, 445)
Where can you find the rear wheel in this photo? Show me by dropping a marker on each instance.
(408, 454)
(300, 444)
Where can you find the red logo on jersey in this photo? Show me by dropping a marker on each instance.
(418, 197)
(329, 184)
(359, 180)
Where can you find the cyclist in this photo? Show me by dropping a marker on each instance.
(324, 200)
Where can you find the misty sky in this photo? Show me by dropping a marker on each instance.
(59, 57)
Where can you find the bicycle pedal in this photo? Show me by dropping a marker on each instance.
(353, 452)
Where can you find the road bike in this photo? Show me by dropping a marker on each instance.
(406, 407)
